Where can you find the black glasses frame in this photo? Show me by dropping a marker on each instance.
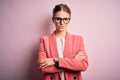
(65, 20)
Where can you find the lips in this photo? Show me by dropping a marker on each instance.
(61, 26)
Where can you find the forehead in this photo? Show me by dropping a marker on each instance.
(62, 14)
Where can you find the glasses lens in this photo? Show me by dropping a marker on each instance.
(58, 20)
(66, 20)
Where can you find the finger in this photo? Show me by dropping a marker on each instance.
(79, 56)
(42, 61)
(43, 66)
(82, 55)
(39, 62)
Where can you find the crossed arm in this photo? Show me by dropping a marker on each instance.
(51, 61)
(47, 65)
(77, 63)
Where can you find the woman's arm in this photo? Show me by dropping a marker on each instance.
(46, 65)
(78, 63)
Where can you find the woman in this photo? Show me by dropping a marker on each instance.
(62, 55)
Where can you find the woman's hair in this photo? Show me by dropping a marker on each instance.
(61, 7)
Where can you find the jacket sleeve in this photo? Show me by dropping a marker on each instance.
(42, 55)
(75, 64)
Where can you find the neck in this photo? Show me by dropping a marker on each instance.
(60, 34)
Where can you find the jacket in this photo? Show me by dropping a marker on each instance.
(72, 67)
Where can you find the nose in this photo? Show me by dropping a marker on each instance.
(61, 22)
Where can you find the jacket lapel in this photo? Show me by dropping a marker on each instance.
(68, 45)
(53, 45)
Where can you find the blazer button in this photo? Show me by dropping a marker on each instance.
(51, 77)
(75, 78)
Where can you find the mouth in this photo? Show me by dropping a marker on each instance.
(61, 26)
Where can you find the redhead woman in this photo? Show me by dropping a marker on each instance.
(62, 55)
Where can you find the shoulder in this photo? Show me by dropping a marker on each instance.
(77, 40)
(76, 37)
(44, 37)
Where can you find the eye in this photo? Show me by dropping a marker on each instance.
(66, 19)
(58, 19)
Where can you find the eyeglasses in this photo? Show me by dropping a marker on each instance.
(59, 20)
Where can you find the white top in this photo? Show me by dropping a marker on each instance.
(60, 46)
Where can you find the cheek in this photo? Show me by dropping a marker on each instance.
(57, 24)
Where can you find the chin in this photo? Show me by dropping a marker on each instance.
(61, 30)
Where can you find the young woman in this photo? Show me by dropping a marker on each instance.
(62, 55)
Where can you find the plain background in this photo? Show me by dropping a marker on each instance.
(22, 22)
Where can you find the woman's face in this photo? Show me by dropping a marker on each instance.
(61, 21)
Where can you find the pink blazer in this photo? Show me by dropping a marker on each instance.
(72, 67)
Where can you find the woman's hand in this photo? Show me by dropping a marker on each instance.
(51, 61)
(81, 55)
(46, 62)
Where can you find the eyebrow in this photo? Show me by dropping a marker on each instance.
(62, 18)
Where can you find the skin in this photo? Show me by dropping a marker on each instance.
(61, 27)
(60, 32)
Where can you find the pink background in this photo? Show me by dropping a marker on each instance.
(22, 22)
